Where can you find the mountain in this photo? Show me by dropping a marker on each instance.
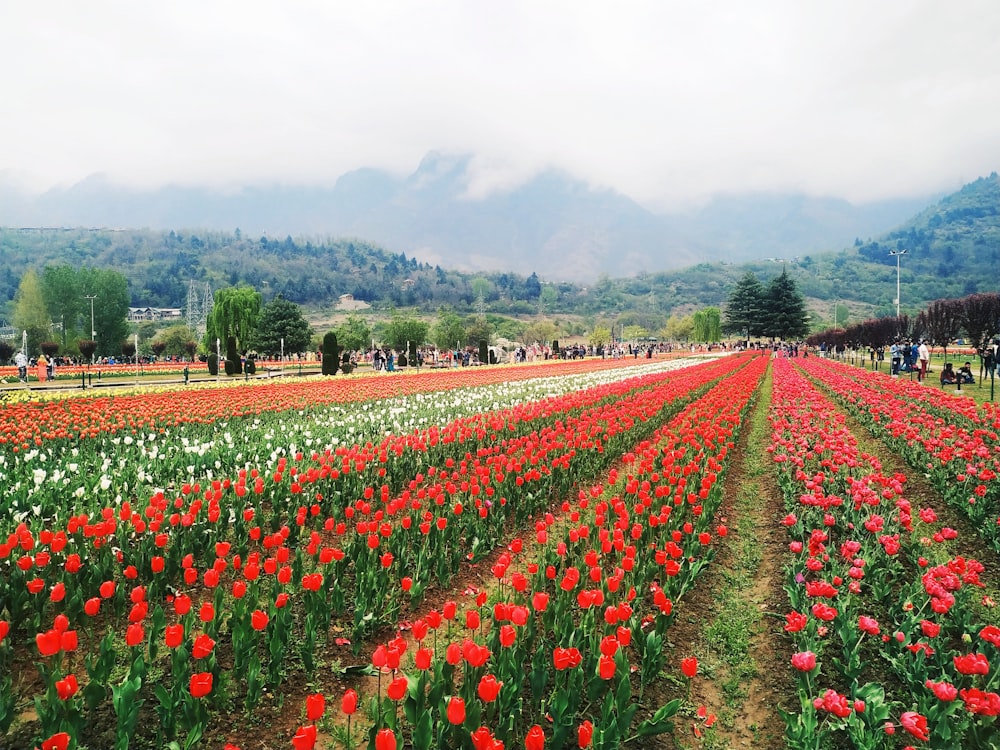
(956, 241)
(953, 249)
(553, 224)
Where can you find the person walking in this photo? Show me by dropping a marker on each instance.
(22, 366)
(42, 368)
(924, 354)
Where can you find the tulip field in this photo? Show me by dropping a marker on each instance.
(292, 564)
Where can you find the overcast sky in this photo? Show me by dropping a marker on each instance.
(667, 102)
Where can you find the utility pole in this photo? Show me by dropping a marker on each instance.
(899, 254)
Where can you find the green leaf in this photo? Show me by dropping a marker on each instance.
(660, 722)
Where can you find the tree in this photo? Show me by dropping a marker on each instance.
(235, 313)
(942, 322)
(600, 336)
(110, 309)
(707, 324)
(745, 308)
(981, 319)
(784, 310)
(30, 313)
(61, 289)
(532, 287)
(354, 334)
(540, 332)
(478, 329)
(175, 339)
(634, 333)
(402, 330)
(281, 319)
(547, 298)
(678, 328)
(448, 331)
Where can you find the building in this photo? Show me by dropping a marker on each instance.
(144, 314)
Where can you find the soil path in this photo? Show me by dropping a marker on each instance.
(728, 619)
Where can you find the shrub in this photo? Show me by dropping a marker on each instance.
(87, 349)
(233, 355)
(213, 364)
(330, 353)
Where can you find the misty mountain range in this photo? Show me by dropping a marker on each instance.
(554, 224)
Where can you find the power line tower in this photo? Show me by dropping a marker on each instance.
(199, 306)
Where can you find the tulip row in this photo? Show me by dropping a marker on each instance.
(881, 612)
(331, 491)
(942, 434)
(29, 423)
(562, 649)
(148, 447)
(137, 557)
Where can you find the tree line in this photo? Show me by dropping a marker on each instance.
(976, 318)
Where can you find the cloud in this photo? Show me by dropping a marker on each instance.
(667, 102)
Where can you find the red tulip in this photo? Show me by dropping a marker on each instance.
(58, 592)
(202, 646)
(915, 724)
(68, 640)
(182, 604)
(315, 706)
(456, 710)
(59, 741)
(349, 704)
(489, 688)
(585, 733)
(689, 667)
(385, 740)
(804, 661)
(49, 642)
(972, 664)
(258, 619)
(483, 740)
(174, 635)
(305, 738)
(201, 684)
(507, 636)
(397, 689)
(535, 739)
(606, 667)
(134, 635)
(67, 687)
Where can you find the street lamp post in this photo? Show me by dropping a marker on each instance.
(93, 333)
(899, 254)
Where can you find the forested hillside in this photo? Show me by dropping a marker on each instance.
(160, 265)
(953, 249)
(954, 244)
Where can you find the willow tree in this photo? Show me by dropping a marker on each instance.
(30, 312)
(708, 324)
(235, 313)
